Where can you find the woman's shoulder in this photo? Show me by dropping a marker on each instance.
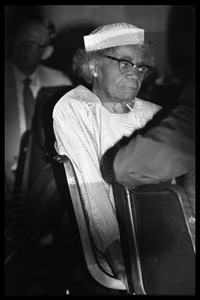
(78, 99)
(146, 105)
(79, 94)
(68, 97)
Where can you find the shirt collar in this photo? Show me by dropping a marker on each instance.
(19, 76)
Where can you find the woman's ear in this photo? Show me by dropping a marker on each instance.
(47, 52)
(93, 69)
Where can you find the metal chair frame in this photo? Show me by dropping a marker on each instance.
(95, 269)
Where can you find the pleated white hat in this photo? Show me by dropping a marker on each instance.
(111, 35)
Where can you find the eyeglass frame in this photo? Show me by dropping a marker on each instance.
(119, 60)
(31, 43)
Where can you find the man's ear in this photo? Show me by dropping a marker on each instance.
(47, 52)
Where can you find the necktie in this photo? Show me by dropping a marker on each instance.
(28, 102)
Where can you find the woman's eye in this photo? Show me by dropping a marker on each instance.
(144, 69)
(125, 64)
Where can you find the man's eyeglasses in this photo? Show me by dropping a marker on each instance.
(30, 44)
(126, 65)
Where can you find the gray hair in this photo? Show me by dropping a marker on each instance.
(82, 59)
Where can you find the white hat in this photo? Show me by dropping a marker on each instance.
(111, 35)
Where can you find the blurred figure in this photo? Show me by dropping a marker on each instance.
(31, 186)
(32, 44)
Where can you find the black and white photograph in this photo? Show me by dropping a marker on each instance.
(99, 150)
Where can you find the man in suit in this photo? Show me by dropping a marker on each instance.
(29, 167)
(32, 44)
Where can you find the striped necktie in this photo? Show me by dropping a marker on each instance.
(28, 102)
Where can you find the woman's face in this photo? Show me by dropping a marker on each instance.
(110, 85)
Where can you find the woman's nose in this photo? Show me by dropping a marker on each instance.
(134, 73)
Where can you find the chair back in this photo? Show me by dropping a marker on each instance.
(157, 242)
(157, 232)
(94, 267)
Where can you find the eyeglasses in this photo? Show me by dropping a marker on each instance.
(30, 44)
(126, 65)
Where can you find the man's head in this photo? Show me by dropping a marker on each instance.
(32, 43)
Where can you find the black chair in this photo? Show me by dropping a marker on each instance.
(157, 239)
(157, 244)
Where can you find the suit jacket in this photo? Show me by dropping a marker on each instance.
(48, 78)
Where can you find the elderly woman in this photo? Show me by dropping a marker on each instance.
(87, 122)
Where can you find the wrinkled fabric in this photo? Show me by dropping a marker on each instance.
(84, 130)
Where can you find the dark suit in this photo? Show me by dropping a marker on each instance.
(39, 176)
(48, 77)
